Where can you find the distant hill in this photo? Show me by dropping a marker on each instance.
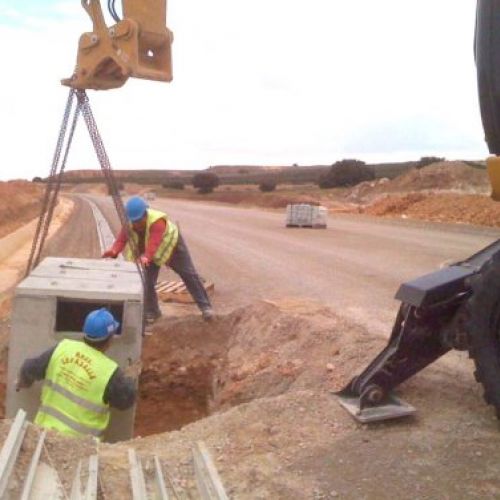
(233, 174)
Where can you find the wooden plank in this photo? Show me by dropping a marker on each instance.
(175, 291)
(179, 285)
(169, 286)
(162, 285)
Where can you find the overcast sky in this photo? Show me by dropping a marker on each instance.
(271, 82)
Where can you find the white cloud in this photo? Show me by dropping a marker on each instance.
(261, 81)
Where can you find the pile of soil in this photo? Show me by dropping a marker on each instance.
(191, 370)
(464, 209)
(263, 375)
(19, 203)
(448, 176)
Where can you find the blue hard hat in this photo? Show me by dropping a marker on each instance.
(135, 208)
(99, 325)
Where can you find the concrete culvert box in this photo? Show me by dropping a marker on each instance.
(52, 303)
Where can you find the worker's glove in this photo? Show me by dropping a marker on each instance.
(144, 261)
(109, 254)
(133, 369)
(20, 384)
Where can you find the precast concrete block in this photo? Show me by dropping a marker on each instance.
(52, 303)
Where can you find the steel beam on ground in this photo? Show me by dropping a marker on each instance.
(136, 476)
(28, 482)
(10, 449)
(208, 480)
(76, 487)
(92, 480)
(160, 488)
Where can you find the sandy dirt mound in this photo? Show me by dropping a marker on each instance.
(19, 203)
(442, 176)
(466, 209)
(264, 374)
(86, 188)
(191, 370)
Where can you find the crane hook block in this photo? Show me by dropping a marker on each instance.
(139, 46)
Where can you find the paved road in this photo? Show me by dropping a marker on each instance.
(354, 266)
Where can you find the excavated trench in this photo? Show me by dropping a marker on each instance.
(192, 369)
(181, 362)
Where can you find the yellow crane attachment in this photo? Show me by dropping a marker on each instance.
(138, 45)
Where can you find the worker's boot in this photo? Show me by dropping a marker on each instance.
(207, 314)
(151, 317)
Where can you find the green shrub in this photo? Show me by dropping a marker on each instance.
(267, 186)
(173, 185)
(205, 182)
(428, 160)
(346, 173)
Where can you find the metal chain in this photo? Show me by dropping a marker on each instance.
(48, 196)
(57, 186)
(103, 159)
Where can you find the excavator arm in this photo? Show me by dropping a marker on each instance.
(138, 45)
(457, 307)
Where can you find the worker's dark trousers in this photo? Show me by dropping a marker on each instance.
(182, 264)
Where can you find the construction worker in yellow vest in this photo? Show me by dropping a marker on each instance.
(80, 382)
(158, 242)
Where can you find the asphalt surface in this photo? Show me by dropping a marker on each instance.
(354, 266)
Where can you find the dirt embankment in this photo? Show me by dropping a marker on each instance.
(451, 192)
(19, 203)
(449, 176)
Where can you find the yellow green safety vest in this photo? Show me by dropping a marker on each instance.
(167, 246)
(72, 395)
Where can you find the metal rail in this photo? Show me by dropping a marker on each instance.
(10, 450)
(137, 476)
(208, 480)
(160, 488)
(30, 478)
(42, 481)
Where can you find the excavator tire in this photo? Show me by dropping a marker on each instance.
(483, 327)
(487, 53)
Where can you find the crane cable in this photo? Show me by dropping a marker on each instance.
(56, 177)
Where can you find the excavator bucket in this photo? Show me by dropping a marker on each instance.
(139, 45)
